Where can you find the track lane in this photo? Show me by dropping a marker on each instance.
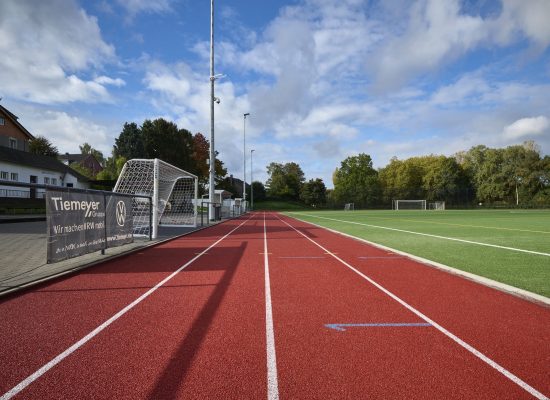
(401, 363)
(157, 346)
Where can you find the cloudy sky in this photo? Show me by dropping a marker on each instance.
(322, 79)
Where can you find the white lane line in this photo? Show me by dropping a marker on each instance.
(38, 373)
(455, 338)
(429, 235)
(272, 382)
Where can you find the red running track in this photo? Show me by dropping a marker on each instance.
(114, 331)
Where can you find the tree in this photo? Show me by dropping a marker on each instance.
(442, 177)
(162, 139)
(87, 149)
(42, 146)
(542, 197)
(313, 192)
(357, 182)
(200, 156)
(82, 170)
(520, 172)
(129, 143)
(285, 180)
(113, 168)
(259, 191)
(220, 172)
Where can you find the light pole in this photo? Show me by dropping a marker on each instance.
(244, 155)
(212, 166)
(251, 183)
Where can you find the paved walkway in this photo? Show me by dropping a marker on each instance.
(23, 247)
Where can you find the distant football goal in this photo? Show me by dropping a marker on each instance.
(436, 205)
(349, 207)
(173, 193)
(409, 204)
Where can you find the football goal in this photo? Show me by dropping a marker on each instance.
(349, 207)
(436, 205)
(173, 193)
(409, 204)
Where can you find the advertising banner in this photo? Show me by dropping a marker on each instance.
(81, 223)
(119, 226)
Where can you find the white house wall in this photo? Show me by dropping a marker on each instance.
(24, 176)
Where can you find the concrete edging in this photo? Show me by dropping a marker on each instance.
(503, 287)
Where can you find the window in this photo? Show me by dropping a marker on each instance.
(69, 185)
(46, 180)
(14, 176)
(4, 175)
(54, 181)
(13, 143)
(2, 121)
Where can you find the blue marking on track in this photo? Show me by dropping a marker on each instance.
(342, 327)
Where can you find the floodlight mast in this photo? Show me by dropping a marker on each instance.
(251, 182)
(212, 166)
(244, 155)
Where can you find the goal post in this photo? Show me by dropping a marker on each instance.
(409, 204)
(436, 205)
(349, 207)
(173, 192)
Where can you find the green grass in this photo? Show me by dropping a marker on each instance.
(525, 230)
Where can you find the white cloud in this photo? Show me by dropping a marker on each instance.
(527, 127)
(105, 80)
(64, 130)
(49, 59)
(468, 90)
(134, 7)
(439, 32)
(529, 18)
(436, 33)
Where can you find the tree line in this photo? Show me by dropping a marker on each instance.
(152, 139)
(512, 176)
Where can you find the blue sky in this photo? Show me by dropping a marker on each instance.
(322, 79)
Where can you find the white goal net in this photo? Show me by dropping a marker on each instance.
(437, 205)
(349, 207)
(409, 205)
(173, 193)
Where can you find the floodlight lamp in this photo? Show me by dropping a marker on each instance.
(217, 76)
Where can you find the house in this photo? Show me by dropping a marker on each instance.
(87, 161)
(12, 133)
(18, 165)
(237, 185)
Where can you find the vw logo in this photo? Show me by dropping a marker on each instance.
(120, 213)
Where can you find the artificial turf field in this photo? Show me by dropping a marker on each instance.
(521, 239)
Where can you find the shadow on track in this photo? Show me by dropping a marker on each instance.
(174, 374)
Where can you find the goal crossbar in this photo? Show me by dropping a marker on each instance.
(409, 204)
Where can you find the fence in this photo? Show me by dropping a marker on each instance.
(27, 243)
